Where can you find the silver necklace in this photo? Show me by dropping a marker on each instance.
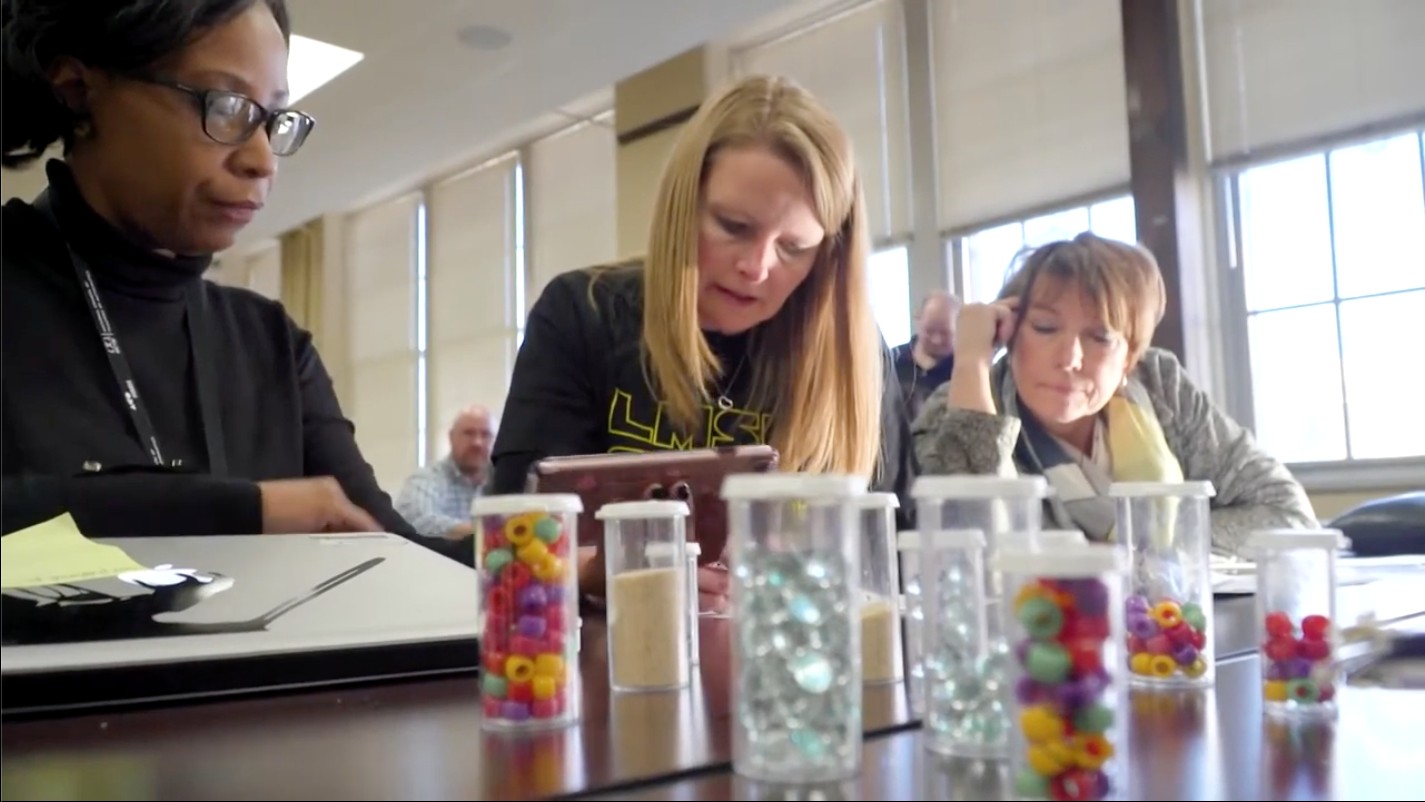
(723, 402)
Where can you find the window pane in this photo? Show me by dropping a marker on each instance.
(1286, 234)
(1382, 392)
(988, 257)
(1379, 216)
(1296, 384)
(890, 293)
(1114, 219)
(1059, 225)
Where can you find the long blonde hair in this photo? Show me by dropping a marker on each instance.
(818, 363)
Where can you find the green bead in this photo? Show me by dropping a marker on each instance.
(1093, 718)
(495, 686)
(1042, 619)
(1194, 616)
(497, 559)
(547, 530)
(1302, 690)
(1048, 663)
(1028, 785)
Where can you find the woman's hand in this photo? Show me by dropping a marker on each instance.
(713, 583)
(982, 329)
(310, 506)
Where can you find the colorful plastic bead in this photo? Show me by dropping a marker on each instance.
(549, 665)
(1041, 723)
(1315, 627)
(1168, 629)
(548, 531)
(1041, 618)
(497, 559)
(494, 685)
(1297, 669)
(532, 553)
(550, 569)
(1274, 690)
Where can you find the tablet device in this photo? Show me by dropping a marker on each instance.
(693, 476)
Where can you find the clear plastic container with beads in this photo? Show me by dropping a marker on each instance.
(1068, 697)
(646, 587)
(695, 614)
(963, 664)
(913, 613)
(1297, 632)
(527, 557)
(881, 653)
(1167, 530)
(796, 654)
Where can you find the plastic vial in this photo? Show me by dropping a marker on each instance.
(881, 653)
(646, 568)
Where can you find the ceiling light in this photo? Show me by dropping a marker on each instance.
(312, 64)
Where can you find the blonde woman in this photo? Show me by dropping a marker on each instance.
(748, 321)
(1083, 400)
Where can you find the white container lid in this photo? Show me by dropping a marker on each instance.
(1161, 490)
(554, 503)
(792, 486)
(1048, 537)
(979, 487)
(1062, 560)
(956, 538)
(1278, 539)
(695, 549)
(634, 510)
(908, 540)
(879, 501)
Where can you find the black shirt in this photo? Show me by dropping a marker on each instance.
(276, 412)
(579, 387)
(918, 383)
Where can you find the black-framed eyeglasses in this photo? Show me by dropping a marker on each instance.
(231, 118)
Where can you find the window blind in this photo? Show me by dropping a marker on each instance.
(571, 195)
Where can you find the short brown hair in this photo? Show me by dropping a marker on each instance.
(1122, 282)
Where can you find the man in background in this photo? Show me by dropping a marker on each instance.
(925, 362)
(436, 499)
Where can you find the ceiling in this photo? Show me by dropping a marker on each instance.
(421, 103)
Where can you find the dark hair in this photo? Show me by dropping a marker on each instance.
(117, 36)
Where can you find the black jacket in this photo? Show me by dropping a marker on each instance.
(276, 415)
(579, 388)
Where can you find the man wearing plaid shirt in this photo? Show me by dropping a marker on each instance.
(436, 499)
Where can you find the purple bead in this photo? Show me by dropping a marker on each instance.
(532, 626)
(533, 597)
(1029, 692)
(1184, 653)
(1142, 625)
(1095, 684)
(1104, 784)
(554, 593)
(515, 711)
(1298, 668)
(1021, 650)
(1072, 695)
(1137, 603)
(1276, 671)
(1091, 596)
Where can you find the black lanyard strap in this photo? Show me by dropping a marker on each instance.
(200, 349)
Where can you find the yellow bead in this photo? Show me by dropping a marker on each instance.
(518, 668)
(550, 569)
(1167, 613)
(1027, 593)
(544, 687)
(1196, 669)
(1274, 690)
(1091, 750)
(1141, 663)
(549, 665)
(532, 553)
(1040, 723)
(1162, 666)
(1049, 758)
(519, 529)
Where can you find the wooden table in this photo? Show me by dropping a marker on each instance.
(424, 740)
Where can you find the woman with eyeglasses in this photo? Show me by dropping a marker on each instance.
(138, 397)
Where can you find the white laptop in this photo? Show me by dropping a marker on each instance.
(232, 614)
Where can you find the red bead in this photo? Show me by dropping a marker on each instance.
(515, 576)
(521, 692)
(1279, 625)
(1198, 639)
(1159, 644)
(1325, 692)
(1315, 627)
(528, 647)
(492, 707)
(1074, 785)
(1085, 627)
(1313, 649)
(1180, 634)
(1086, 656)
(544, 708)
(499, 602)
(1280, 648)
(494, 661)
(554, 616)
(1136, 644)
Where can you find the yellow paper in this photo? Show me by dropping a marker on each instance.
(56, 552)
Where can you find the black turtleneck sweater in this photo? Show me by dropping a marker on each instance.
(64, 415)
(579, 388)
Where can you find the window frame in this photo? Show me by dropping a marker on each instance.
(1352, 474)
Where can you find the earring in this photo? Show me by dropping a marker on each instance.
(83, 129)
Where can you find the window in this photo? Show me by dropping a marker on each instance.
(988, 254)
(1332, 256)
(890, 293)
(422, 313)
